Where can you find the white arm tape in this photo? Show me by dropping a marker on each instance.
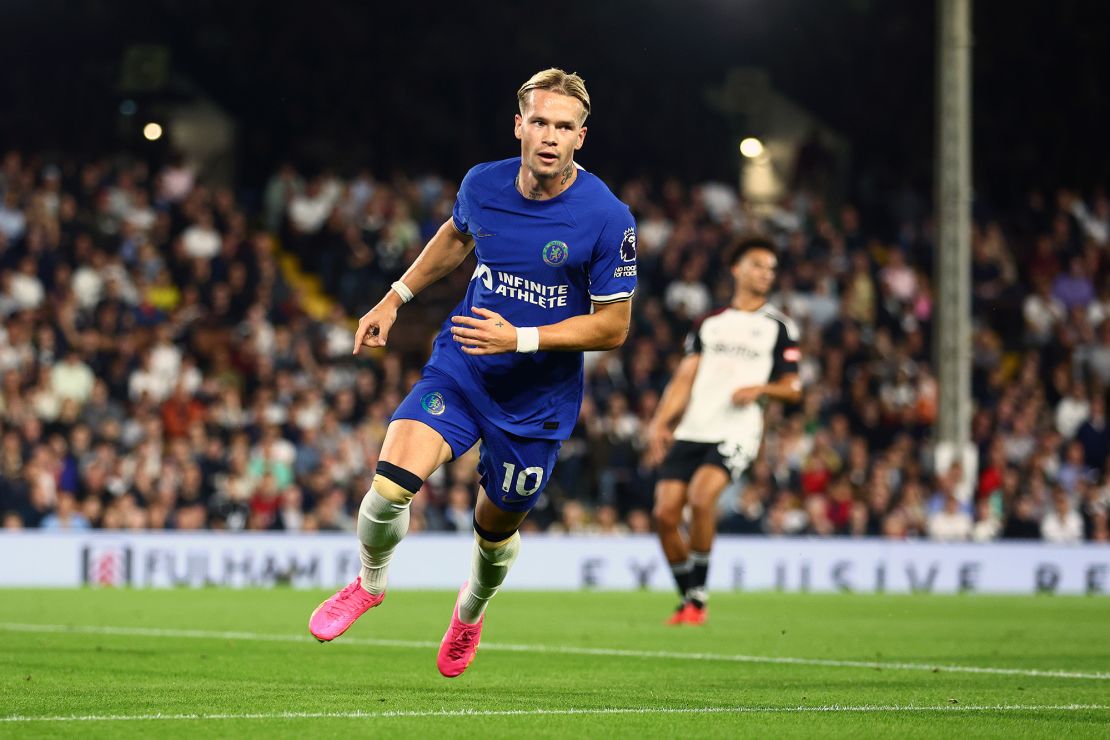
(402, 290)
(527, 339)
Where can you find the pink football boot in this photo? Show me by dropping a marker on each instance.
(694, 614)
(334, 616)
(460, 643)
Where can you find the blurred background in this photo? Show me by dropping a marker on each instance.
(198, 198)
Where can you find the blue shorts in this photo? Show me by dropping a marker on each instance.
(513, 469)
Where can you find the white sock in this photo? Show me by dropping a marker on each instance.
(381, 525)
(488, 569)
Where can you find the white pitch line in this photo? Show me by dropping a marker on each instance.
(588, 711)
(557, 649)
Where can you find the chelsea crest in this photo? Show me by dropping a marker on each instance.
(555, 253)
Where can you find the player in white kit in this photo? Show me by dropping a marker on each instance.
(736, 356)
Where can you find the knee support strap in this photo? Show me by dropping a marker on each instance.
(394, 483)
(493, 538)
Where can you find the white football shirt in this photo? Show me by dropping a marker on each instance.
(738, 349)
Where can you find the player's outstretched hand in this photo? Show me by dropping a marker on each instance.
(373, 327)
(659, 438)
(744, 396)
(489, 335)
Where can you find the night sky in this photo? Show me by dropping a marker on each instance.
(430, 85)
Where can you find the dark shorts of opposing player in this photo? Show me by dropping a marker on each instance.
(684, 458)
(513, 469)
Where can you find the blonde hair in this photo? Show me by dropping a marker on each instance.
(557, 81)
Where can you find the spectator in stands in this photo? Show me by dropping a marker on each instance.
(689, 297)
(988, 526)
(72, 379)
(13, 221)
(1042, 312)
(459, 512)
(1074, 288)
(1022, 523)
(951, 523)
(1062, 524)
(65, 514)
(1072, 410)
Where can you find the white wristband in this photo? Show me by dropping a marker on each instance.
(527, 339)
(402, 290)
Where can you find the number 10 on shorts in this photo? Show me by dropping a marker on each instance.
(522, 479)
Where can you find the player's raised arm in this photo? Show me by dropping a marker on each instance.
(443, 253)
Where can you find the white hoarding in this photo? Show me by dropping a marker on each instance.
(549, 562)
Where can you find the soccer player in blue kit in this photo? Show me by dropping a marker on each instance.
(556, 272)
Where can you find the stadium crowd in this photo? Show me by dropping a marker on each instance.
(162, 366)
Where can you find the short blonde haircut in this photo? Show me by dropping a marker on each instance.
(557, 81)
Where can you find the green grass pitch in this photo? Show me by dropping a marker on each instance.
(221, 663)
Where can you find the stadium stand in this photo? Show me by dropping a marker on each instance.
(171, 357)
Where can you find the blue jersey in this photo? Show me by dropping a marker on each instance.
(539, 262)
